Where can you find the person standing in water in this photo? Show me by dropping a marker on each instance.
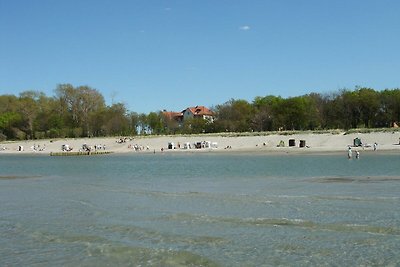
(349, 153)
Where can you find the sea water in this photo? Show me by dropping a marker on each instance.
(200, 209)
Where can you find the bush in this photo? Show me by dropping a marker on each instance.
(18, 134)
(77, 132)
(40, 135)
(53, 133)
(3, 137)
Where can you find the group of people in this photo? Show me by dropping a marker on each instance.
(66, 148)
(38, 147)
(88, 148)
(124, 140)
(84, 148)
(99, 147)
(137, 147)
(350, 153)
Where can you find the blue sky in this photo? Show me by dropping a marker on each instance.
(154, 55)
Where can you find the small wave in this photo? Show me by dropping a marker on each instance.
(185, 217)
(83, 203)
(368, 179)
(286, 222)
(12, 177)
(140, 233)
(371, 229)
(106, 252)
(290, 196)
(353, 198)
(43, 237)
(175, 194)
(119, 255)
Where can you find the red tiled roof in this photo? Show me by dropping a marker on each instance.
(172, 115)
(200, 111)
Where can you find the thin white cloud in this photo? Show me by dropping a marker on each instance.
(244, 28)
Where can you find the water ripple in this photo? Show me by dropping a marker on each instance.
(285, 222)
(12, 177)
(355, 179)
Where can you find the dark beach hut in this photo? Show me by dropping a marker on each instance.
(357, 142)
(302, 143)
(292, 142)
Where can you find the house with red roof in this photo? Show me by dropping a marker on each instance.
(189, 113)
(198, 112)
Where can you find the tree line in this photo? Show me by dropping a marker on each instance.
(82, 112)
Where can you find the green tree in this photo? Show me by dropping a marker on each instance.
(143, 125)
(267, 113)
(29, 109)
(48, 122)
(134, 122)
(234, 116)
(8, 103)
(295, 113)
(83, 104)
(171, 125)
(117, 121)
(351, 109)
(196, 126)
(369, 103)
(10, 118)
(333, 112)
(154, 122)
(8, 122)
(389, 108)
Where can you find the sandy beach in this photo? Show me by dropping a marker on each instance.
(313, 143)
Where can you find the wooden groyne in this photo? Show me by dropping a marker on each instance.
(84, 153)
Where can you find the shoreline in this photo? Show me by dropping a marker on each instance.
(321, 143)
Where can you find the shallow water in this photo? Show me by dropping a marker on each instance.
(200, 210)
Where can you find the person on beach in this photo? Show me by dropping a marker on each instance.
(375, 146)
(357, 154)
(349, 153)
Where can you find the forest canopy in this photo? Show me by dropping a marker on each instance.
(82, 112)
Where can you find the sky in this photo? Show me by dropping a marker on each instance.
(156, 55)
